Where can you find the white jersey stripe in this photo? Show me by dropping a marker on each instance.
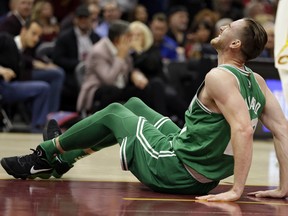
(146, 145)
(160, 122)
(123, 154)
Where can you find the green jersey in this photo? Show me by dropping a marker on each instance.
(204, 142)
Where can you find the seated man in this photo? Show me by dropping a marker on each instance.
(110, 75)
(40, 70)
(20, 11)
(14, 89)
(216, 141)
(71, 48)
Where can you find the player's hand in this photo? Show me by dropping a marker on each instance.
(276, 193)
(226, 196)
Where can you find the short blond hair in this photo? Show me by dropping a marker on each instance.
(148, 38)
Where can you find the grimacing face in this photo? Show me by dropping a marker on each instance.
(227, 35)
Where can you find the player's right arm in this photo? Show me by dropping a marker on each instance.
(274, 119)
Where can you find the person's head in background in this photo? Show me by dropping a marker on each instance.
(142, 38)
(94, 10)
(82, 19)
(178, 18)
(253, 9)
(140, 14)
(30, 34)
(206, 15)
(269, 47)
(203, 31)
(23, 7)
(117, 30)
(110, 11)
(42, 10)
(159, 27)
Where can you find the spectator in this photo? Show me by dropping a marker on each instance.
(107, 64)
(111, 12)
(17, 18)
(200, 34)
(14, 88)
(228, 9)
(254, 9)
(71, 48)
(44, 13)
(139, 14)
(206, 15)
(126, 7)
(110, 75)
(268, 51)
(167, 45)
(63, 8)
(95, 12)
(147, 59)
(40, 70)
(178, 20)
(94, 9)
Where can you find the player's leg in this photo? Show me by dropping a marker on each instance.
(104, 128)
(162, 123)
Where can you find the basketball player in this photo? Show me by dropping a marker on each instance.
(216, 141)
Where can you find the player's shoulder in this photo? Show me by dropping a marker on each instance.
(218, 73)
(261, 81)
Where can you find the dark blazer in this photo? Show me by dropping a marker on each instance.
(11, 58)
(66, 50)
(65, 54)
(11, 24)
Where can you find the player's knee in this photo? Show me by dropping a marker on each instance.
(134, 101)
(114, 107)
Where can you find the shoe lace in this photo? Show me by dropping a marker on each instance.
(30, 158)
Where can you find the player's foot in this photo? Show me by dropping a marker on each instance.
(52, 130)
(60, 168)
(28, 166)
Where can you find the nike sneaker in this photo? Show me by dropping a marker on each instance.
(60, 167)
(52, 130)
(28, 166)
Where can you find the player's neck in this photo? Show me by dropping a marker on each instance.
(226, 59)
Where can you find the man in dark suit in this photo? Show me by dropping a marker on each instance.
(16, 19)
(71, 49)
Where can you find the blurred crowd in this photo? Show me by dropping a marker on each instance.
(81, 55)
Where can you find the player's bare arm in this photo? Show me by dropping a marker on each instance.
(222, 90)
(274, 119)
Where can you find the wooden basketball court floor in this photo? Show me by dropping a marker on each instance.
(98, 186)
